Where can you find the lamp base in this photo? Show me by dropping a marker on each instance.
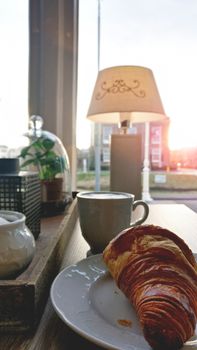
(146, 197)
(125, 173)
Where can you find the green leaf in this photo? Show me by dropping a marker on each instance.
(27, 162)
(24, 152)
(40, 153)
(48, 144)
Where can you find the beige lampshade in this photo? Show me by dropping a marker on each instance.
(125, 93)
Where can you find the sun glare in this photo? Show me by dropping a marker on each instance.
(182, 135)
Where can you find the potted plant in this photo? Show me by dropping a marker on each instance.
(51, 167)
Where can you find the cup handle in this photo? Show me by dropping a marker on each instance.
(145, 214)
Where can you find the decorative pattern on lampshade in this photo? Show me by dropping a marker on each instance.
(120, 86)
(125, 93)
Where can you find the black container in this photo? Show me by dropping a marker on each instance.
(21, 192)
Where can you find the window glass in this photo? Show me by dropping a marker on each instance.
(13, 71)
(157, 34)
(87, 67)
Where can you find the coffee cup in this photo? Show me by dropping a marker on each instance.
(102, 215)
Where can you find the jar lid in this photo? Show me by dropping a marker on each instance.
(9, 165)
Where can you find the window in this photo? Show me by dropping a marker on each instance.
(157, 34)
(107, 130)
(156, 135)
(106, 155)
(13, 71)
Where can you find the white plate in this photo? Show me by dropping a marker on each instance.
(86, 298)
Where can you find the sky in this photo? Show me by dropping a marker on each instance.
(158, 34)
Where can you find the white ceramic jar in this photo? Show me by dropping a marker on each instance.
(17, 244)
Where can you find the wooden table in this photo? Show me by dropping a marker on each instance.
(52, 333)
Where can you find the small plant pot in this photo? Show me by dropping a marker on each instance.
(54, 197)
(52, 190)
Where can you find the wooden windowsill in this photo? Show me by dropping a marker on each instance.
(22, 300)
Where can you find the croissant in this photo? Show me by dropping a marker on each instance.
(157, 272)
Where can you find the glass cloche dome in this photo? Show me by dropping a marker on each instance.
(46, 154)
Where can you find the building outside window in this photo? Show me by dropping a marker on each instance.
(156, 146)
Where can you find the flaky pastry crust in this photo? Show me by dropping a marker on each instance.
(157, 272)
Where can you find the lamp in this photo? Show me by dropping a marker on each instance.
(125, 95)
